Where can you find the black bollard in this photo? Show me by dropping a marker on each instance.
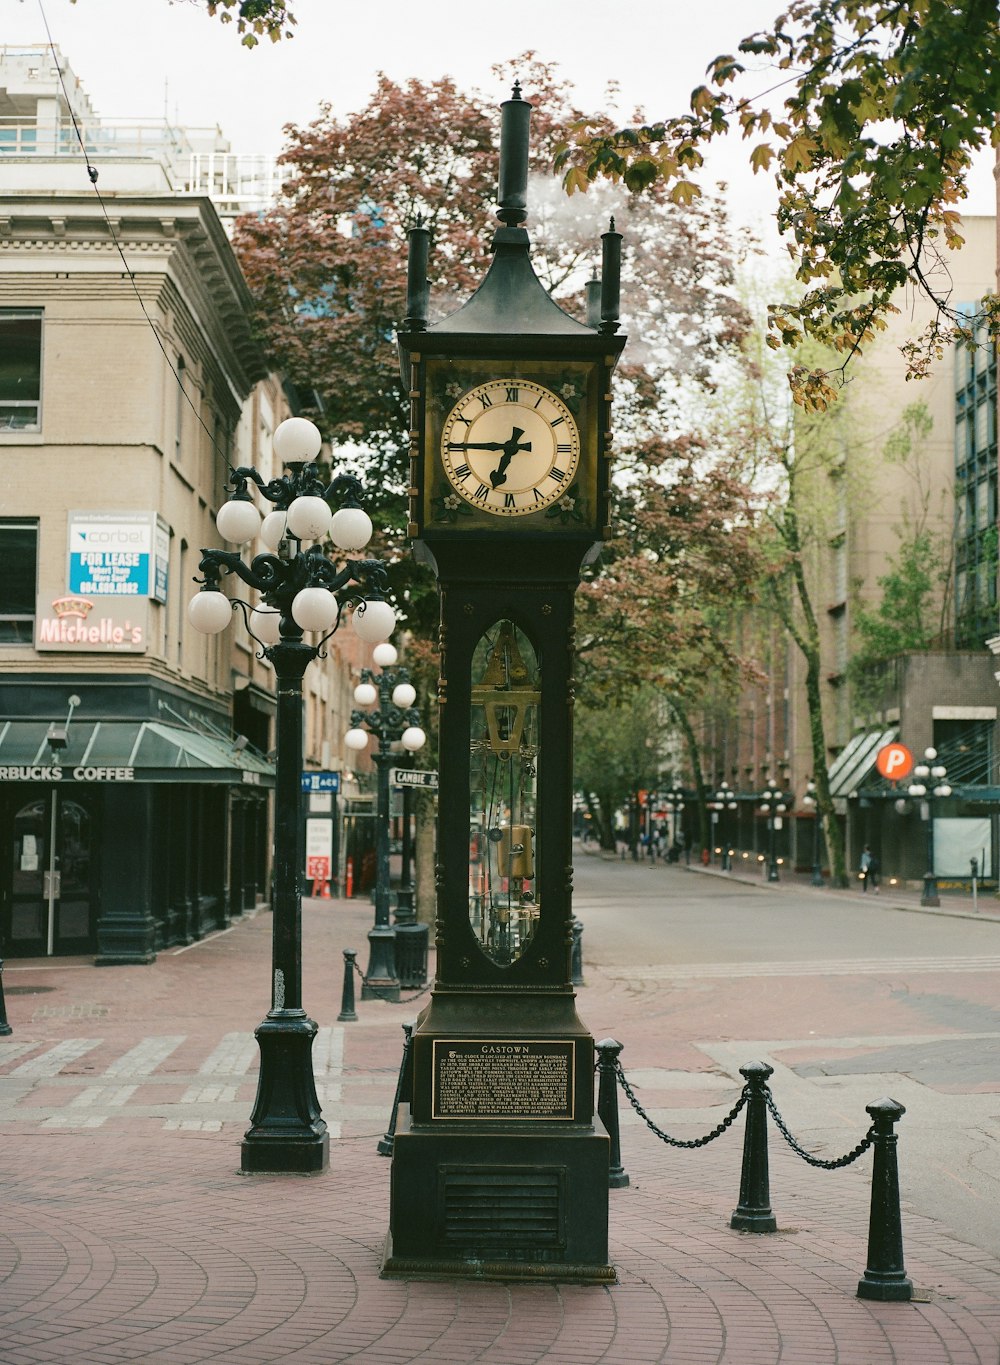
(576, 960)
(5, 1028)
(753, 1212)
(607, 1108)
(404, 1092)
(885, 1278)
(347, 1010)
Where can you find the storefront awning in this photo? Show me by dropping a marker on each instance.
(853, 764)
(126, 751)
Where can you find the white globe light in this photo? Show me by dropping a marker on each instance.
(404, 694)
(413, 738)
(365, 694)
(297, 440)
(273, 529)
(351, 528)
(385, 654)
(374, 620)
(309, 518)
(356, 739)
(210, 612)
(265, 623)
(238, 521)
(314, 609)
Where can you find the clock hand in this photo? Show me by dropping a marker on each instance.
(510, 449)
(476, 445)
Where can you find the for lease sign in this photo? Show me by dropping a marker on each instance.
(117, 554)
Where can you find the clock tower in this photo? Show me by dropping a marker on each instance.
(500, 1165)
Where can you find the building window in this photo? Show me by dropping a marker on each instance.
(20, 369)
(18, 574)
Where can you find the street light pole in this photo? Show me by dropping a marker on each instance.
(929, 770)
(725, 799)
(773, 804)
(811, 801)
(394, 721)
(298, 591)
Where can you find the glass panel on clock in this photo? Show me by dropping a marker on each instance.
(503, 779)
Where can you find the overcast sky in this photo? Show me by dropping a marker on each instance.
(140, 58)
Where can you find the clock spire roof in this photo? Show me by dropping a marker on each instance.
(511, 299)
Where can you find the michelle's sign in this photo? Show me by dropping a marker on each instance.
(82, 625)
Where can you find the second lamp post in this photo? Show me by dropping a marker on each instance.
(929, 769)
(395, 721)
(773, 804)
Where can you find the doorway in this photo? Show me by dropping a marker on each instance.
(49, 899)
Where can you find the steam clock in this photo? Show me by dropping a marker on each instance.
(500, 1166)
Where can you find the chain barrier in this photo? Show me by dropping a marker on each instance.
(381, 995)
(730, 1118)
(799, 1150)
(665, 1137)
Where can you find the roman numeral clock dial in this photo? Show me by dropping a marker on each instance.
(510, 447)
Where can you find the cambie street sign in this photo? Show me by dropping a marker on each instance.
(414, 777)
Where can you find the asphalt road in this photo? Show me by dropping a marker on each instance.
(848, 1000)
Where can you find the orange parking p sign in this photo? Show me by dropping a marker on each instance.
(894, 761)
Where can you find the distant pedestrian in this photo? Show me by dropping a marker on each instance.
(869, 870)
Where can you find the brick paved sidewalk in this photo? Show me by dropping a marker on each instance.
(128, 1235)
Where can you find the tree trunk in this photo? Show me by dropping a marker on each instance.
(807, 641)
(694, 753)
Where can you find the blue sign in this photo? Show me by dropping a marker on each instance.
(321, 782)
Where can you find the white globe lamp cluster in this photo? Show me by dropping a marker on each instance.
(307, 517)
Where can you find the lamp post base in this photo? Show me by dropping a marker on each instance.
(287, 1135)
(380, 981)
(817, 875)
(930, 892)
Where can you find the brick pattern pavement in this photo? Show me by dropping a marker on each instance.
(128, 1234)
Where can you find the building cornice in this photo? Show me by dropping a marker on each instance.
(180, 236)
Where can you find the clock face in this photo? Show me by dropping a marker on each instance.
(510, 447)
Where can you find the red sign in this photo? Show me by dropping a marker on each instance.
(318, 869)
(894, 761)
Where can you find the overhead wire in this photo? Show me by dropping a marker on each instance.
(92, 175)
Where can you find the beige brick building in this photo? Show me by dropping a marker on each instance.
(135, 753)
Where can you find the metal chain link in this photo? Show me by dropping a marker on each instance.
(403, 999)
(845, 1160)
(664, 1137)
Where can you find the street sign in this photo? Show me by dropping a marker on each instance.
(321, 782)
(414, 777)
(894, 761)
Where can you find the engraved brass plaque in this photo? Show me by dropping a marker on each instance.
(503, 1078)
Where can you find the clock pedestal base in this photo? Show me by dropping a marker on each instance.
(499, 1205)
(499, 1164)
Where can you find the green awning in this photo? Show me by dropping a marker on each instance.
(126, 751)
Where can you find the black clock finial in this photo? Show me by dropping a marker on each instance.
(611, 278)
(515, 116)
(417, 287)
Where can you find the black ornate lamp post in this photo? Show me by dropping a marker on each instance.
(811, 803)
(299, 591)
(675, 805)
(725, 799)
(395, 721)
(929, 769)
(773, 804)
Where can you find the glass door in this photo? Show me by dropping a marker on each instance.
(51, 897)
